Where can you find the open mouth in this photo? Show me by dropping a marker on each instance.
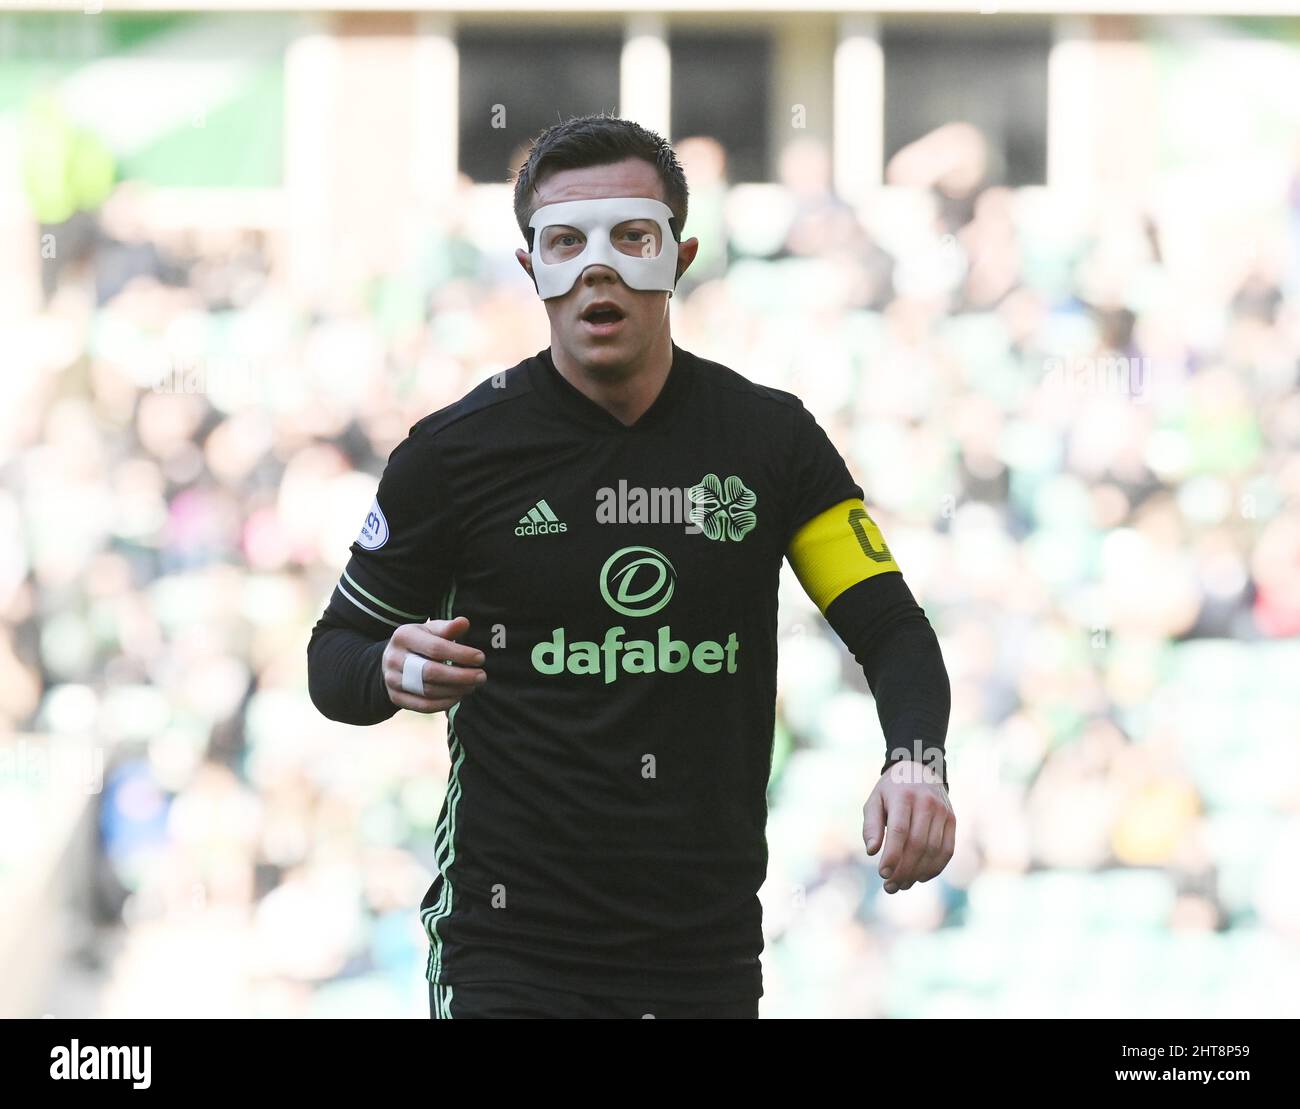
(603, 315)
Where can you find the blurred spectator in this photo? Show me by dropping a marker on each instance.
(67, 173)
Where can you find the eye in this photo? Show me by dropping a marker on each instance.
(559, 244)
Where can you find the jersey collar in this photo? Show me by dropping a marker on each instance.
(560, 393)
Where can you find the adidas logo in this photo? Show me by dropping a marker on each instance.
(540, 520)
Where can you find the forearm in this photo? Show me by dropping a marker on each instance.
(890, 636)
(345, 673)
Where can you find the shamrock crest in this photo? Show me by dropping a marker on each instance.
(722, 511)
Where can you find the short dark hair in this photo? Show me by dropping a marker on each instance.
(597, 140)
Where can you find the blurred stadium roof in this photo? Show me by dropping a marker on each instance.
(711, 7)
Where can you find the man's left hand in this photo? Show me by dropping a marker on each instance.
(910, 813)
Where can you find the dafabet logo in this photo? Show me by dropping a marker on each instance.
(636, 582)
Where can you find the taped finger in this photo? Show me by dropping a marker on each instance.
(413, 674)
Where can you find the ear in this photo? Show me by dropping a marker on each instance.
(526, 260)
(685, 256)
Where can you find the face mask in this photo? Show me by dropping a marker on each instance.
(633, 235)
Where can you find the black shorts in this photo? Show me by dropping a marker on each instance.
(515, 1000)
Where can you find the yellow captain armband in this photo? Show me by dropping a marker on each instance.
(836, 549)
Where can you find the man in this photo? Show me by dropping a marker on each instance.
(578, 563)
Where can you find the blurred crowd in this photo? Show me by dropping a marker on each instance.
(1080, 436)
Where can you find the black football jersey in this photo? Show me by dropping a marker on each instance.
(604, 822)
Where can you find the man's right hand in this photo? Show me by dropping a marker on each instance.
(444, 685)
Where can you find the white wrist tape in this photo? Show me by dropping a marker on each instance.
(413, 674)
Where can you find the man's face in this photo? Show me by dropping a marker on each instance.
(596, 345)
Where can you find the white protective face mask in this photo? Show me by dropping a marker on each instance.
(597, 221)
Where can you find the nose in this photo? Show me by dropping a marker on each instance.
(599, 271)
